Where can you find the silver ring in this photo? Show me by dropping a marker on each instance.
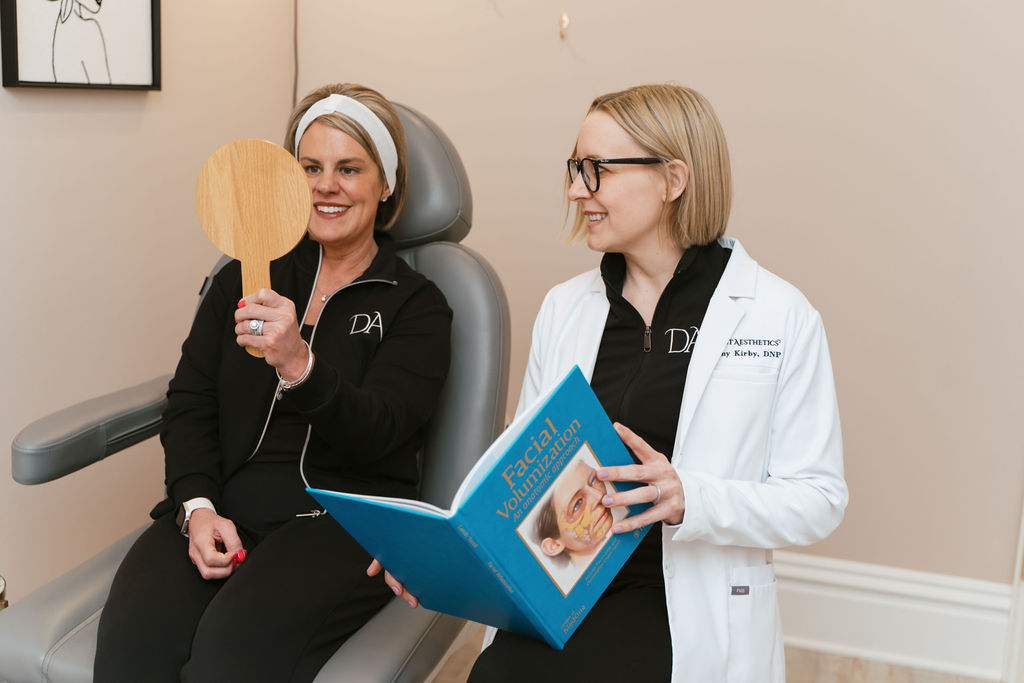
(256, 327)
(657, 497)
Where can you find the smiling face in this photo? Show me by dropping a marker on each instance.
(346, 186)
(583, 521)
(626, 212)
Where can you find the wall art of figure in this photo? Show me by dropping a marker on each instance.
(79, 50)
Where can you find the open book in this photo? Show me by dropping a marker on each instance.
(527, 545)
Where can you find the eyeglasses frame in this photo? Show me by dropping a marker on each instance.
(578, 163)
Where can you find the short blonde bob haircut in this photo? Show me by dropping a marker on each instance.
(387, 212)
(674, 122)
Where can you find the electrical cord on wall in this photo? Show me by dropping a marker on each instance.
(295, 52)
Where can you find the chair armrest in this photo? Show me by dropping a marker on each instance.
(70, 439)
(34, 629)
(406, 645)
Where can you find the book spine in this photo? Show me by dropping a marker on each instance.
(518, 597)
(485, 557)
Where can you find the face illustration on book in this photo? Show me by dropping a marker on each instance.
(575, 522)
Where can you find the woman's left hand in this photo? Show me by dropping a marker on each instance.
(394, 584)
(279, 341)
(656, 471)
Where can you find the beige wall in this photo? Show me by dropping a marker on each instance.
(877, 148)
(877, 151)
(102, 255)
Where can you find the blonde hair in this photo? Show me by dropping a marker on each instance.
(674, 122)
(387, 212)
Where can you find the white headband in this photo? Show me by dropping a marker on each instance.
(361, 114)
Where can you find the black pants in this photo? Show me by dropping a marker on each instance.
(625, 637)
(279, 617)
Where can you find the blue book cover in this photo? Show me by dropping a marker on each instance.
(526, 544)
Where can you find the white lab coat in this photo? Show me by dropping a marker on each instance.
(757, 448)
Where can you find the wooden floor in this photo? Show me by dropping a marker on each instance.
(805, 666)
(802, 666)
(456, 669)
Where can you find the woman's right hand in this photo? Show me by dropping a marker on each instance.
(279, 339)
(399, 590)
(207, 533)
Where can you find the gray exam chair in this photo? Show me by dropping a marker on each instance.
(50, 635)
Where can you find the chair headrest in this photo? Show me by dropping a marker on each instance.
(438, 203)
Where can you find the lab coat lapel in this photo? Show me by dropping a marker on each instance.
(725, 311)
(591, 328)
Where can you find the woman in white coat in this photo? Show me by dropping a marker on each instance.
(721, 371)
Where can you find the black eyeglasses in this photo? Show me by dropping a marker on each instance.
(590, 169)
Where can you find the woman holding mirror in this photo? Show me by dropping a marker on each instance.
(239, 561)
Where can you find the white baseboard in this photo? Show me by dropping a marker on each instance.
(910, 618)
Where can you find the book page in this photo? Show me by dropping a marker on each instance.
(405, 503)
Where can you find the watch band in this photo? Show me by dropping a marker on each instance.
(186, 510)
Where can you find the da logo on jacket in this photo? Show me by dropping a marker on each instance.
(366, 323)
(680, 340)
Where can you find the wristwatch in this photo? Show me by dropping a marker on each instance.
(185, 514)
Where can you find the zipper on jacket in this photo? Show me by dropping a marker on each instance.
(647, 338)
(277, 391)
(312, 335)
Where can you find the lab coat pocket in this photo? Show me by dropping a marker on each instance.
(755, 644)
(728, 436)
(746, 372)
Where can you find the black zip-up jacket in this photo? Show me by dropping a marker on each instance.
(382, 347)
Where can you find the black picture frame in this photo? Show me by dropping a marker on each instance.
(68, 37)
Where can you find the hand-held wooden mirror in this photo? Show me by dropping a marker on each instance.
(253, 202)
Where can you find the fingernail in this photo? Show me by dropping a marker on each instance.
(607, 500)
(602, 474)
(617, 529)
(397, 590)
(241, 303)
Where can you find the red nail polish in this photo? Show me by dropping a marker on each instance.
(238, 558)
(241, 303)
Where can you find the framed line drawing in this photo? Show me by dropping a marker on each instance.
(81, 44)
